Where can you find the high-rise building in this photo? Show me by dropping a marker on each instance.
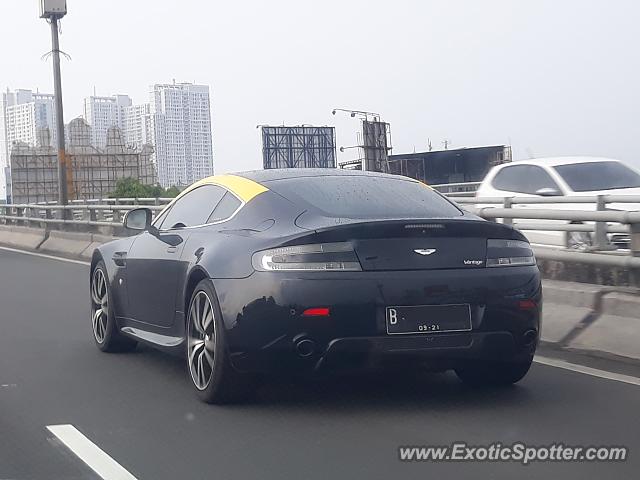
(180, 131)
(176, 123)
(105, 112)
(137, 125)
(23, 113)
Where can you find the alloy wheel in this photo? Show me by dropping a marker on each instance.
(99, 305)
(201, 338)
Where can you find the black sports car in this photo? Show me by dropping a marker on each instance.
(315, 269)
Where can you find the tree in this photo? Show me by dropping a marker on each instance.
(132, 188)
(172, 192)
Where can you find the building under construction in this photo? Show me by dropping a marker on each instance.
(95, 171)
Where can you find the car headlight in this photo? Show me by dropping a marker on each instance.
(315, 257)
(509, 253)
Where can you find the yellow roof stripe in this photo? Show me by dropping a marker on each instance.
(241, 187)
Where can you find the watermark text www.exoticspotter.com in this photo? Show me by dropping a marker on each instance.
(516, 452)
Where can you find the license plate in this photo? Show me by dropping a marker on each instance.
(428, 319)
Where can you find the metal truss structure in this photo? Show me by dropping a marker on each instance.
(298, 147)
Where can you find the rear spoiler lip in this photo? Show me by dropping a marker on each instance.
(502, 231)
(401, 221)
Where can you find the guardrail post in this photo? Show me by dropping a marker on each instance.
(600, 240)
(117, 217)
(634, 228)
(634, 246)
(507, 204)
(47, 216)
(61, 215)
(29, 213)
(20, 212)
(88, 215)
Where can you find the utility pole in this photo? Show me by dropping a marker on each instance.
(55, 10)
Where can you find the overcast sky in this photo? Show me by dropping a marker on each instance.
(548, 76)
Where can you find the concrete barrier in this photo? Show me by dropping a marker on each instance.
(566, 305)
(96, 240)
(67, 243)
(21, 237)
(616, 330)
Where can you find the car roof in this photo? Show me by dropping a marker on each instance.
(247, 185)
(285, 173)
(556, 161)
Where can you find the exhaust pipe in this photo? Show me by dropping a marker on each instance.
(305, 347)
(529, 337)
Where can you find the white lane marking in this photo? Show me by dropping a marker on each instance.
(594, 372)
(89, 453)
(42, 255)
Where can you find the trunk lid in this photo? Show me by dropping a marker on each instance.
(427, 253)
(416, 244)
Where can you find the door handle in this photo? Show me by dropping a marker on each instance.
(172, 249)
(120, 258)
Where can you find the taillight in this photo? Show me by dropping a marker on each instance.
(509, 253)
(316, 312)
(316, 257)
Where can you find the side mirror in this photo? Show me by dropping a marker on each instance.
(138, 219)
(548, 192)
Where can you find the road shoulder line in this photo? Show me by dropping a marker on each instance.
(43, 255)
(594, 372)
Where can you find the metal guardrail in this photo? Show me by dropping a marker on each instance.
(593, 199)
(600, 220)
(465, 189)
(118, 201)
(88, 215)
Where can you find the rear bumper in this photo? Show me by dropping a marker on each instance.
(435, 351)
(264, 325)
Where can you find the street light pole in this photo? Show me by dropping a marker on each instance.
(63, 193)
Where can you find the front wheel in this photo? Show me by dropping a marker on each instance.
(493, 373)
(211, 372)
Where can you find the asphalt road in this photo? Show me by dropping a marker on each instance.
(140, 410)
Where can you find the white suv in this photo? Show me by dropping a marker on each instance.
(563, 176)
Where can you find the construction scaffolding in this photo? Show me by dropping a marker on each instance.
(34, 174)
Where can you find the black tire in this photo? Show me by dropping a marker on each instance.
(103, 322)
(493, 374)
(579, 240)
(219, 383)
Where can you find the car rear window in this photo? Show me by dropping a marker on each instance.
(364, 196)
